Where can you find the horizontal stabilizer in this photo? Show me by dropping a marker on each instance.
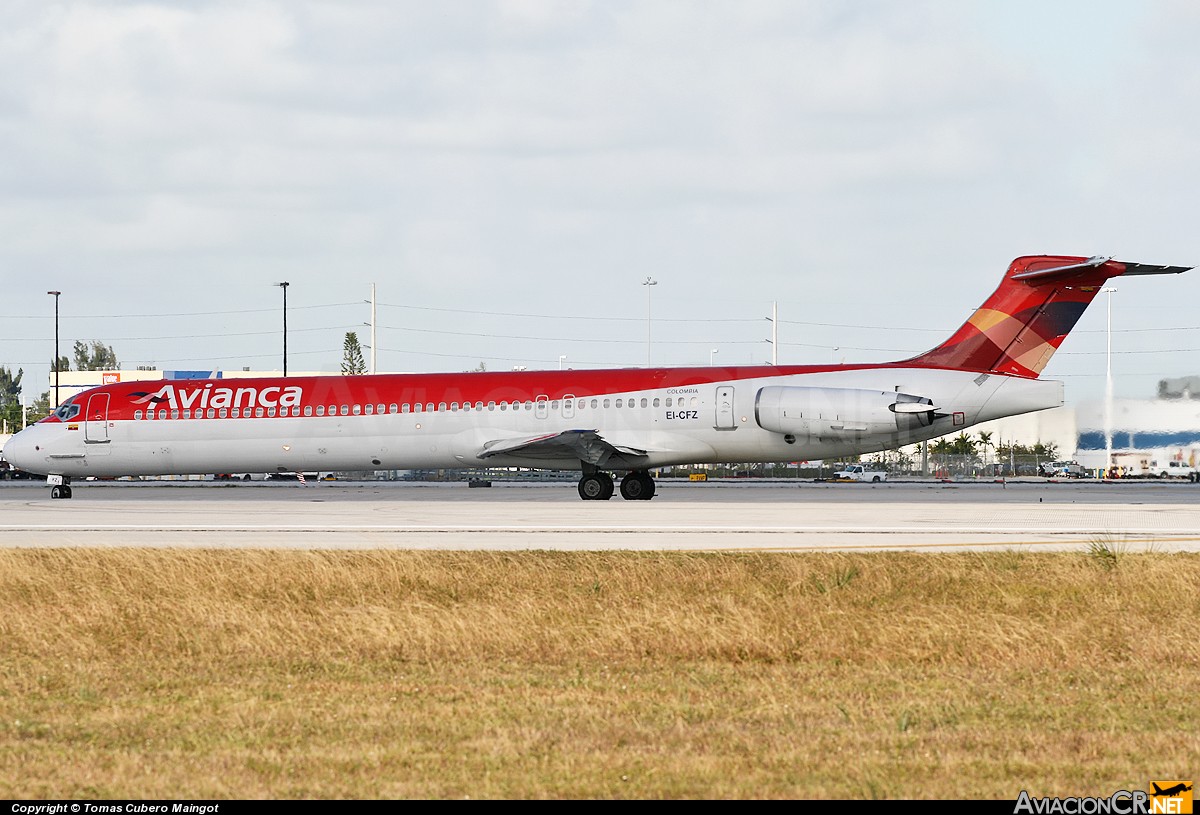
(1150, 268)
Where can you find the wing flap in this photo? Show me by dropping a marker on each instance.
(585, 445)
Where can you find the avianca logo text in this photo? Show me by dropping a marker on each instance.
(214, 397)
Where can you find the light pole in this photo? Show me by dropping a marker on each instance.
(1108, 388)
(284, 285)
(56, 294)
(710, 357)
(648, 282)
(561, 357)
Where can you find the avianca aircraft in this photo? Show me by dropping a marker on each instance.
(598, 422)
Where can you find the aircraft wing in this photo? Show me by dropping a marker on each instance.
(582, 445)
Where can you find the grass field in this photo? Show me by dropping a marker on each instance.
(146, 673)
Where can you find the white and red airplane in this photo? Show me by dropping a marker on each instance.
(597, 422)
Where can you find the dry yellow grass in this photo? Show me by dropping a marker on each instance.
(265, 674)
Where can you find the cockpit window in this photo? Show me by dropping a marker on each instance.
(67, 411)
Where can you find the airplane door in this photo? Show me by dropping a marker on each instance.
(541, 406)
(568, 406)
(95, 422)
(725, 420)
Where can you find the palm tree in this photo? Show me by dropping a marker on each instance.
(985, 441)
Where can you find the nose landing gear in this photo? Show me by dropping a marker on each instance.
(60, 486)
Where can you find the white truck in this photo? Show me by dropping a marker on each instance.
(859, 472)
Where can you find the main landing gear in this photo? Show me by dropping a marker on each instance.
(598, 486)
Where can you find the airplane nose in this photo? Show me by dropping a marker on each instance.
(21, 452)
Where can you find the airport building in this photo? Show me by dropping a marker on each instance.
(1143, 435)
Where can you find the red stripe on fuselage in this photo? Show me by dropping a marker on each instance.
(388, 389)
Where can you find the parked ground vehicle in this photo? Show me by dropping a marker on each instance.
(1172, 468)
(859, 472)
(11, 473)
(1063, 469)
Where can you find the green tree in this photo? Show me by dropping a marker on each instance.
(985, 442)
(962, 445)
(352, 356)
(10, 397)
(95, 356)
(40, 408)
(64, 364)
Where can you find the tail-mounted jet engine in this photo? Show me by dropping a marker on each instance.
(840, 413)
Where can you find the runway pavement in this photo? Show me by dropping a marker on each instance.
(714, 516)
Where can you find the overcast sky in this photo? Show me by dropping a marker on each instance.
(509, 174)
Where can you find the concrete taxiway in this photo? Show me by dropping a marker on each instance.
(714, 516)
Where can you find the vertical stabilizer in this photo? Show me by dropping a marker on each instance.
(1023, 323)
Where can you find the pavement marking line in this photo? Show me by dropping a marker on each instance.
(625, 530)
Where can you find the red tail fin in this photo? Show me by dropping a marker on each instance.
(1023, 323)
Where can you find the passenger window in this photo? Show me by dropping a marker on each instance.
(224, 413)
(379, 409)
(368, 409)
(356, 410)
(394, 408)
(644, 402)
(405, 408)
(235, 413)
(187, 414)
(606, 403)
(595, 404)
(271, 411)
(429, 407)
(504, 405)
(620, 402)
(320, 410)
(345, 410)
(137, 414)
(656, 401)
(258, 412)
(554, 405)
(668, 401)
(175, 414)
(308, 410)
(442, 406)
(454, 406)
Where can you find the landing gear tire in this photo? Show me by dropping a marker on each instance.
(60, 492)
(637, 486)
(596, 487)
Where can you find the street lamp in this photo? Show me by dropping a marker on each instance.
(561, 357)
(1108, 389)
(284, 285)
(710, 357)
(648, 282)
(56, 358)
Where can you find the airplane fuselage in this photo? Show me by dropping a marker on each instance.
(648, 418)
